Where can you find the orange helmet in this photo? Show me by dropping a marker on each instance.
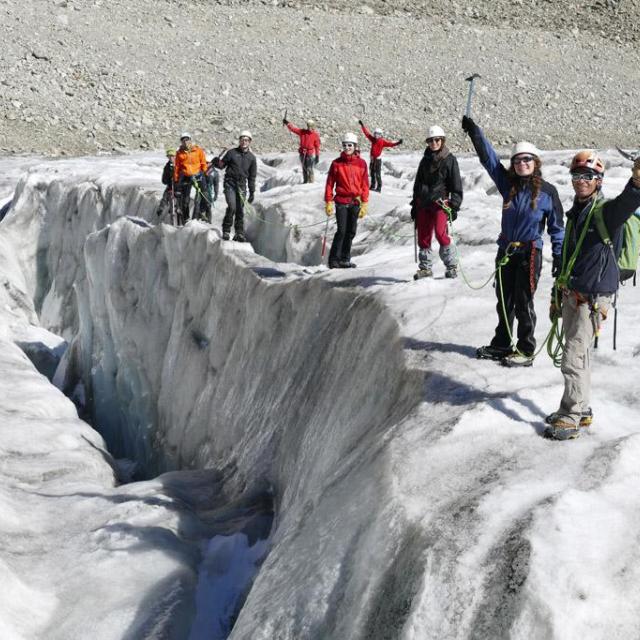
(587, 159)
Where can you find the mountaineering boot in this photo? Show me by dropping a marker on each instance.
(225, 235)
(239, 237)
(490, 352)
(334, 265)
(422, 273)
(562, 429)
(586, 418)
(517, 360)
(346, 264)
(451, 272)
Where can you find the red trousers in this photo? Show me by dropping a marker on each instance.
(429, 219)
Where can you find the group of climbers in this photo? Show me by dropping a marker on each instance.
(584, 263)
(188, 168)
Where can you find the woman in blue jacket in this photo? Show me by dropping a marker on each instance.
(529, 203)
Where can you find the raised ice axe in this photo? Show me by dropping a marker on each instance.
(628, 155)
(471, 80)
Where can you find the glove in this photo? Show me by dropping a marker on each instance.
(556, 267)
(414, 210)
(468, 125)
(285, 122)
(317, 160)
(361, 123)
(328, 208)
(364, 207)
(251, 196)
(400, 141)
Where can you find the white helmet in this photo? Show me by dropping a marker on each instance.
(436, 132)
(246, 134)
(311, 123)
(378, 131)
(184, 135)
(350, 137)
(524, 147)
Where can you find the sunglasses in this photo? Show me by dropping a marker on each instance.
(348, 144)
(584, 177)
(430, 140)
(523, 160)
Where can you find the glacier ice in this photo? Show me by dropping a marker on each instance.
(412, 494)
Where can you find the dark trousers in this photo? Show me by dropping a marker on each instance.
(235, 209)
(307, 162)
(202, 208)
(518, 293)
(375, 174)
(347, 219)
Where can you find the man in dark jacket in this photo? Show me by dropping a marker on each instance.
(529, 202)
(437, 188)
(584, 291)
(240, 171)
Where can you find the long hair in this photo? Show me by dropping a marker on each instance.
(533, 182)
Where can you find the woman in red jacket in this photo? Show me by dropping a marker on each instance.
(309, 148)
(378, 143)
(348, 177)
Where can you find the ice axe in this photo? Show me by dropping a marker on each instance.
(628, 155)
(471, 80)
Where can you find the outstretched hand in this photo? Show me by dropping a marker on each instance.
(468, 125)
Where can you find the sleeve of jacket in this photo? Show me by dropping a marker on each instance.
(454, 183)
(177, 168)
(365, 181)
(367, 133)
(617, 211)
(555, 220)
(331, 181)
(203, 160)
(253, 172)
(490, 161)
(294, 129)
(388, 143)
(417, 183)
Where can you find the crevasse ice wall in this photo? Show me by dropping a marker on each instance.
(192, 359)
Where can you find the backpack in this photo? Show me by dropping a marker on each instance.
(627, 252)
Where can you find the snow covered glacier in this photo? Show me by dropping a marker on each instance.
(412, 494)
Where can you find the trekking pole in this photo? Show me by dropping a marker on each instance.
(471, 80)
(324, 238)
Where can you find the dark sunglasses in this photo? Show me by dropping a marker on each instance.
(348, 144)
(587, 176)
(430, 140)
(523, 160)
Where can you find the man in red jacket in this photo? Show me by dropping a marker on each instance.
(309, 148)
(348, 175)
(378, 143)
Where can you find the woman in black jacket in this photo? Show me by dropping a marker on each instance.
(437, 196)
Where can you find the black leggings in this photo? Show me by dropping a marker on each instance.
(347, 219)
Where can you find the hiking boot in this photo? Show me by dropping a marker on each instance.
(562, 429)
(346, 264)
(586, 418)
(423, 273)
(490, 352)
(239, 237)
(517, 360)
(451, 272)
(225, 235)
(334, 265)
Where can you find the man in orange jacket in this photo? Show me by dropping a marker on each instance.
(378, 143)
(309, 148)
(190, 169)
(348, 176)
